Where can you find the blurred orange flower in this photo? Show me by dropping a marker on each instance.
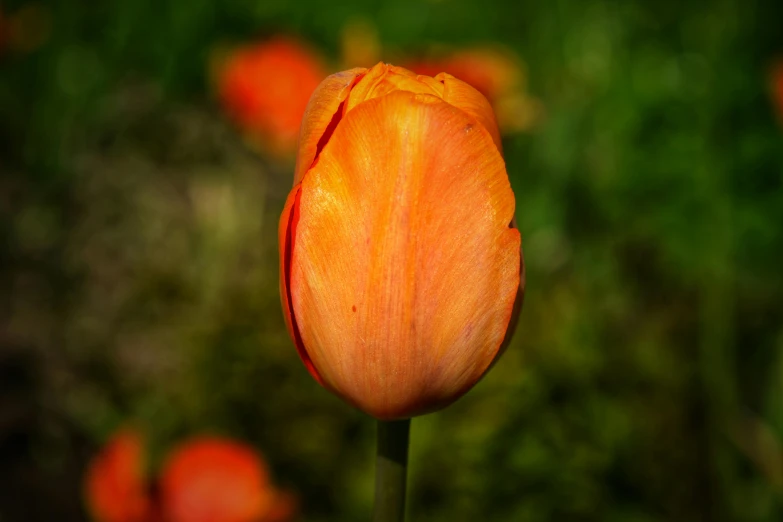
(265, 88)
(498, 74)
(219, 480)
(204, 480)
(776, 86)
(116, 487)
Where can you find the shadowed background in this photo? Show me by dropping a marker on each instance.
(139, 259)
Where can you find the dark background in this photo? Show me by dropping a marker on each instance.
(139, 262)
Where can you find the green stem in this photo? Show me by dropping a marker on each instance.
(390, 469)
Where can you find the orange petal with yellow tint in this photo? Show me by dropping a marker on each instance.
(470, 100)
(405, 269)
(383, 79)
(364, 86)
(322, 108)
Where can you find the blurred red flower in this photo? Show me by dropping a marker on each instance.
(265, 88)
(776, 86)
(218, 480)
(116, 487)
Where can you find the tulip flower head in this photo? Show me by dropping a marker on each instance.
(116, 487)
(399, 264)
(265, 89)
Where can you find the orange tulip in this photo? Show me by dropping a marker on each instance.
(115, 485)
(265, 89)
(399, 266)
(217, 480)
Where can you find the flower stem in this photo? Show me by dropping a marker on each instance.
(390, 469)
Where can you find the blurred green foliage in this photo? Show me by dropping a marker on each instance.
(644, 384)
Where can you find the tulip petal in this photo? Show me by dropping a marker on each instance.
(383, 79)
(405, 269)
(470, 100)
(519, 300)
(321, 110)
(286, 236)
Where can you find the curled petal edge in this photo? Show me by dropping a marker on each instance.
(287, 237)
(322, 114)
